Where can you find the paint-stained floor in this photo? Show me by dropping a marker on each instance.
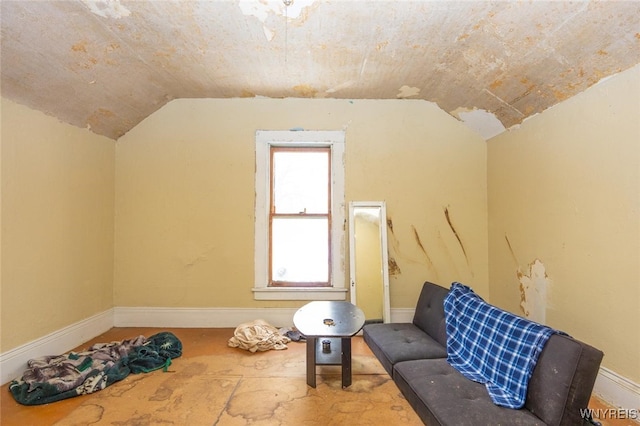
(213, 384)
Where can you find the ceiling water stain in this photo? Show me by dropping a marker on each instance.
(382, 45)
(305, 90)
(97, 117)
(496, 84)
(80, 47)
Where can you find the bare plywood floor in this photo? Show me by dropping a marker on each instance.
(213, 384)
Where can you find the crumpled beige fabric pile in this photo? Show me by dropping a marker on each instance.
(258, 335)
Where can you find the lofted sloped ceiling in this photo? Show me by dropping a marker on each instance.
(108, 64)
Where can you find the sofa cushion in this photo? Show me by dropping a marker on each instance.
(440, 395)
(429, 314)
(395, 342)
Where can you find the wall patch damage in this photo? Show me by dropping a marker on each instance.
(534, 289)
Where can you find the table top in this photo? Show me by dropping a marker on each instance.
(329, 319)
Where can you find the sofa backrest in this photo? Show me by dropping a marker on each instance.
(429, 315)
(562, 380)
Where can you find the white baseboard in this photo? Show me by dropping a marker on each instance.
(14, 362)
(217, 317)
(200, 317)
(402, 314)
(617, 390)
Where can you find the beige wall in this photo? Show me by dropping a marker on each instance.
(564, 189)
(57, 224)
(185, 195)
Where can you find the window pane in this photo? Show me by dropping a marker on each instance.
(300, 251)
(301, 181)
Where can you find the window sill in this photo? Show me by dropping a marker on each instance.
(302, 293)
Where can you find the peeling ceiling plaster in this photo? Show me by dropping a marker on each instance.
(109, 64)
(107, 8)
(407, 92)
(485, 123)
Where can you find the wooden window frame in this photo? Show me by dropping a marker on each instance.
(264, 140)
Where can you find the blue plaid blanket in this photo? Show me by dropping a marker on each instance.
(491, 346)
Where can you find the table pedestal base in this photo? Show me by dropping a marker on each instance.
(340, 354)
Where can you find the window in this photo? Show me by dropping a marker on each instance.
(300, 217)
(299, 225)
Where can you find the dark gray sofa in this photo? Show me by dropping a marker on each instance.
(414, 354)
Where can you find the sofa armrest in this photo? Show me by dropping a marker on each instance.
(562, 380)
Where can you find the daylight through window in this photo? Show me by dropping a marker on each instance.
(300, 216)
